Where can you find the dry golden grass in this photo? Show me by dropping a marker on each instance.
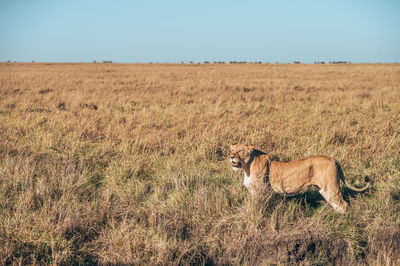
(114, 163)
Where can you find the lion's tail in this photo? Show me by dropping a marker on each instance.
(341, 175)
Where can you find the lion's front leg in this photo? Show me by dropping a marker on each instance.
(249, 184)
(252, 191)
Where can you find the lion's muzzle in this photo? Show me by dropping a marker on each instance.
(236, 164)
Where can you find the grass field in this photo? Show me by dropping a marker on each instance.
(119, 163)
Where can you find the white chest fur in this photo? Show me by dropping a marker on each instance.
(246, 181)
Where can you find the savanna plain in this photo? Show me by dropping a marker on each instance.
(128, 163)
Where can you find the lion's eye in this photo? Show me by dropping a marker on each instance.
(240, 150)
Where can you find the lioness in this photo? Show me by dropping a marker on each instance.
(292, 177)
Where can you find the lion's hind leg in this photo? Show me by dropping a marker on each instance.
(335, 200)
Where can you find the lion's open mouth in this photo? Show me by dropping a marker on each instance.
(236, 164)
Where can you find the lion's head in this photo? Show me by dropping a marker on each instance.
(240, 155)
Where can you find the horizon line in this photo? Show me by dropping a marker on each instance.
(231, 62)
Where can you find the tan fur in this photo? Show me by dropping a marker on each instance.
(291, 177)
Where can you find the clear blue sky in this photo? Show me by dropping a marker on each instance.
(174, 31)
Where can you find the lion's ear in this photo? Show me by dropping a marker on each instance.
(250, 148)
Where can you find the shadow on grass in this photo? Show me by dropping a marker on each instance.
(311, 199)
(347, 193)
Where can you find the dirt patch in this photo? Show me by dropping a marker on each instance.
(61, 106)
(89, 106)
(304, 245)
(45, 91)
(388, 240)
(288, 246)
